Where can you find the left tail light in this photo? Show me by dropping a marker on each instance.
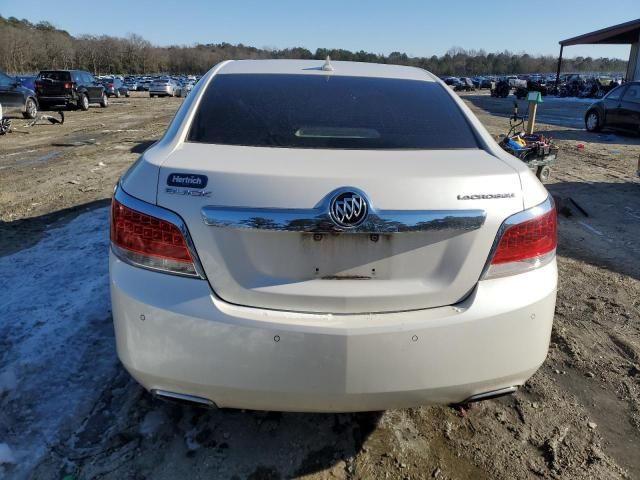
(148, 236)
(525, 241)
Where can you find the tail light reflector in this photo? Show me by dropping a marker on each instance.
(68, 85)
(147, 241)
(526, 240)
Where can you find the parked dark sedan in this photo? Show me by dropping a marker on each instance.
(114, 87)
(485, 82)
(453, 82)
(14, 96)
(465, 84)
(619, 110)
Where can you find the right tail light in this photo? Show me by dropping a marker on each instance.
(525, 241)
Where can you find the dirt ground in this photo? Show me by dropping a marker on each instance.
(577, 418)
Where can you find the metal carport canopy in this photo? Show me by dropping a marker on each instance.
(623, 33)
(618, 34)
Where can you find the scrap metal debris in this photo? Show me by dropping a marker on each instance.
(47, 118)
(5, 126)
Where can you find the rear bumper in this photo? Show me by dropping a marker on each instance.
(193, 343)
(56, 99)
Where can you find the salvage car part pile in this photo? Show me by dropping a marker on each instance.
(536, 150)
(5, 123)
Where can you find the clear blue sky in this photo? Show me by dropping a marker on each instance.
(419, 28)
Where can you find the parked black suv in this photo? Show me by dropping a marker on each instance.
(15, 96)
(71, 88)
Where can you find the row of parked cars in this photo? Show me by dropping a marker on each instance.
(468, 83)
(55, 88)
(473, 83)
(160, 86)
(570, 85)
(80, 89)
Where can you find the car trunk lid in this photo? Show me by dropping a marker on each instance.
(251, 259)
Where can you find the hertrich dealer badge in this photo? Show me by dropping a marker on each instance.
(187, 180)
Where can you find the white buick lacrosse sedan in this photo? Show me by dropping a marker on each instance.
(316, 236)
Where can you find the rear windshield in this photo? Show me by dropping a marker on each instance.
(60, 76)
(318, 111)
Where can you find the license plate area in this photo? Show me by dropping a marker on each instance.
(347, 256)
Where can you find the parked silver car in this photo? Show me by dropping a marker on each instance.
(166, 87)
(185, 88)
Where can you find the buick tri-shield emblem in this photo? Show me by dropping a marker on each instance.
(348, 209)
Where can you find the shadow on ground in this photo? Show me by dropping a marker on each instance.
(140, 147)
(24, 233)
(605, 137)
(181, 441)
(608, 234)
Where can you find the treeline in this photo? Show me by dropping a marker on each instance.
(26, 47)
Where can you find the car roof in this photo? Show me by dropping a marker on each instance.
(62, 70)
(314, 67)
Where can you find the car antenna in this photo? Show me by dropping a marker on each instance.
(327, 67)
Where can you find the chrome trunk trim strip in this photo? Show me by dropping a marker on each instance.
(318, 220)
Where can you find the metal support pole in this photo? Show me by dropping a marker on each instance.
(559, 65)
(531, 124)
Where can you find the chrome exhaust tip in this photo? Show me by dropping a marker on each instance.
(183, 398)
(501, 392)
